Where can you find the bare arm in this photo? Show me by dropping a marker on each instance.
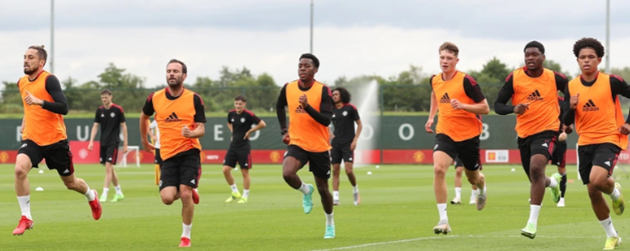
(434, 106)
(258, 126)
(94, 131)
(123, 127)
(147, 112)
(478, 108)
(331, 132)
(143, 128)
(432, 111)
(199, 131)
(153, 133)
(359, 129)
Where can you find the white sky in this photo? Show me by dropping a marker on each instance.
(351, 37)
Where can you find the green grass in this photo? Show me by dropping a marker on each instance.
(397, 212)
(86, 114)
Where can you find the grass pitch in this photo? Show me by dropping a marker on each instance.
(397, 212)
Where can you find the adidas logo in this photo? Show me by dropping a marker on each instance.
(590, 106)
(192, 181)
(607, 163)
(173, 118)
(445, 98)
(299, 109)
(535, 96)
(66, 171)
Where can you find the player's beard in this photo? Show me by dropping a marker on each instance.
(30, 70)
(177, 85)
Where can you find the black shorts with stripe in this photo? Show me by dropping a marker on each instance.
(242, 155)
(158, 157)
(58, 156)
(318, 162)
(181, 169)
(466, 151)
(559, 155)
(603, 155)
(541, 143)
(109, 153)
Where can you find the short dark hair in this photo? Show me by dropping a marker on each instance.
(450, 47)
(311, 57)
(41, 53)
(535, 44)
(588, 42)
(184, 68)
(241, 98)
(344, 95)
(106, 91)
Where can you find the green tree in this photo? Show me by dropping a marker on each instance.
(261, 92)
(409, 91)
(623, 72)
(11, 101)
(73, 94)
(128, 90)
(491, 78)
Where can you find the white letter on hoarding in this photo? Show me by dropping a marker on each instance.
(217, 132)
(401, 131)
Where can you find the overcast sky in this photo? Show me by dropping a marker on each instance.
(351, 37)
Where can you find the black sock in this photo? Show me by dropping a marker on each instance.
(563, 185)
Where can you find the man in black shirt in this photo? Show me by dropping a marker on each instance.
(112, 120)
(558, 157)
(344, 140)
(240, 121)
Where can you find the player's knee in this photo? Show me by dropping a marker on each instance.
(598, 184)
(71, 185)
(593, 192)
(186, 195)
(322, 189)
(226, 169)
(473, 179)
(288, 175)
(20, 171)
(167, 200)
(536, 173)
(348, 170)
(336, 171)
(439, 170)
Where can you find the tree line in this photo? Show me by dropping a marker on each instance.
(409, 91)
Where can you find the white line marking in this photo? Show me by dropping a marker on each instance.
(452, 236)
(387, 242)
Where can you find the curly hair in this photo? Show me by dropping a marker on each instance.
(588, 42)
(344, 94)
